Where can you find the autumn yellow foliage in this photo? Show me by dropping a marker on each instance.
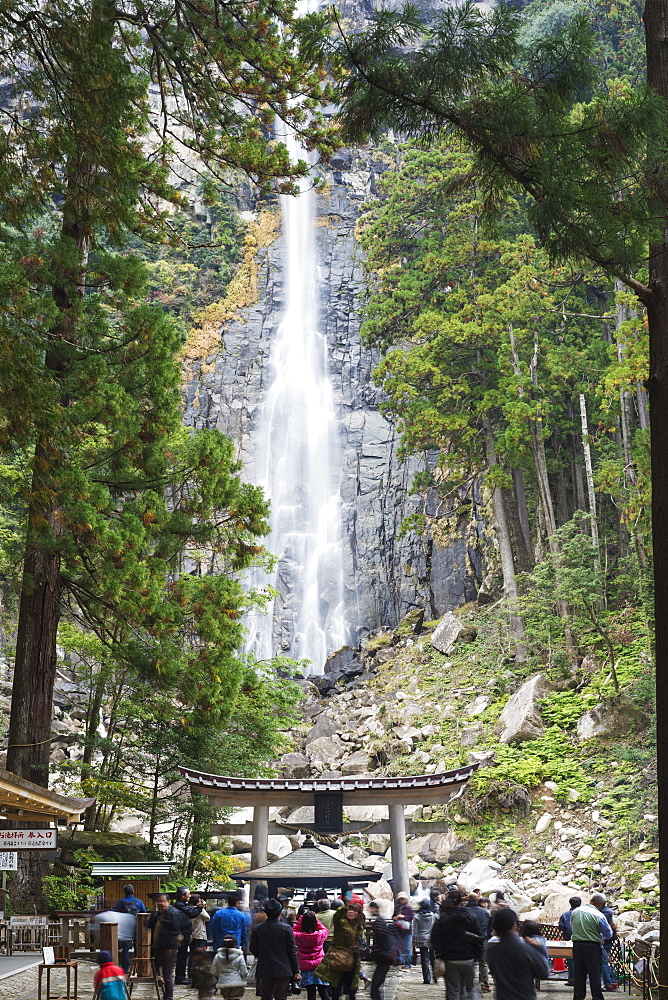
(208, 327)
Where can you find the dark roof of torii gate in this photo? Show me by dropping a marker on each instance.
(361, 789)
(309, 865)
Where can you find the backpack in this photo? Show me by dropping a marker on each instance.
(127, 906)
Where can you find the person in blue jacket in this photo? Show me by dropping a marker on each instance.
(132, 903)
(229, 920)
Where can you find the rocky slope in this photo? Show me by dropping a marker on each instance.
(562, 801)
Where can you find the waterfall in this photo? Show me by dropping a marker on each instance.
(298, 458)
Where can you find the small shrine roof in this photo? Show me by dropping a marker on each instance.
(309, 864)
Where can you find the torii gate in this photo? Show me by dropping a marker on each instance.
(329, 796)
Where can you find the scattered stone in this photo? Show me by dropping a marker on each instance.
(543, 823)
(483, 758)
(470, 736)
(564, 855)
(585, 851)
(521, 716)
(449, 631)
(478, 706)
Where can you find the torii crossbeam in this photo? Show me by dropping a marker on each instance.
(329, 796)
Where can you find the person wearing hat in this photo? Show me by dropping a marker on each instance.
(109, 979)
(260, 897)
(273, 945)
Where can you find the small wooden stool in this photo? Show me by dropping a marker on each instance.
(69, 968)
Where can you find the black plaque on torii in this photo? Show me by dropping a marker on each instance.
(328, 812)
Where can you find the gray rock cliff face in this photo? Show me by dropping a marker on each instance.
(386, 574)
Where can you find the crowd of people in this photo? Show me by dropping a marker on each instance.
(457, 939)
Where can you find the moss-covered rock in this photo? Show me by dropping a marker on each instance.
(110, 846)
(378, 642)
(410, 625)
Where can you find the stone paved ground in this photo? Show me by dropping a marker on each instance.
(399, 986)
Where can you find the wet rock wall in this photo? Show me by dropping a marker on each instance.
(386, 573)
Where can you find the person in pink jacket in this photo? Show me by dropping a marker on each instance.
(310, 936)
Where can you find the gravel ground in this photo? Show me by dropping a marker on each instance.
(399, 985)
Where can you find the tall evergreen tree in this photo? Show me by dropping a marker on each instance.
(101, 99)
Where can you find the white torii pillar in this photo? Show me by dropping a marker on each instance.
(400, 876)
(259, 838)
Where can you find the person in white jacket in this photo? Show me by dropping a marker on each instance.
(230, 966)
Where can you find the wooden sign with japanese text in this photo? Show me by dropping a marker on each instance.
(28, 840)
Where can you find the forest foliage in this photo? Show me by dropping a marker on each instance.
(124, 535)
(505, 358)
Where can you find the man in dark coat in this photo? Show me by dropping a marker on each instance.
(513, 963)
(384, 949)
(567, 931)
(171, 926)
(483, 922)
(183, 905)
(273, 945)
(457, 944)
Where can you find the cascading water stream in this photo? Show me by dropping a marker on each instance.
(298, 460)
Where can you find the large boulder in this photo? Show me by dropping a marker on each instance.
(367, 814)
(324, 726)
(411, 624)
(109, 846)
(447, 845)
(295, 765)
(557, 903)
(128, 824)
(344, 662)
(450, 630)
(475, 871)
(278, 847)
(378, 843)
(357, 763)
(521, 719)
(304, 815)
(613, 717)
(324, 751)
(380, 890)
